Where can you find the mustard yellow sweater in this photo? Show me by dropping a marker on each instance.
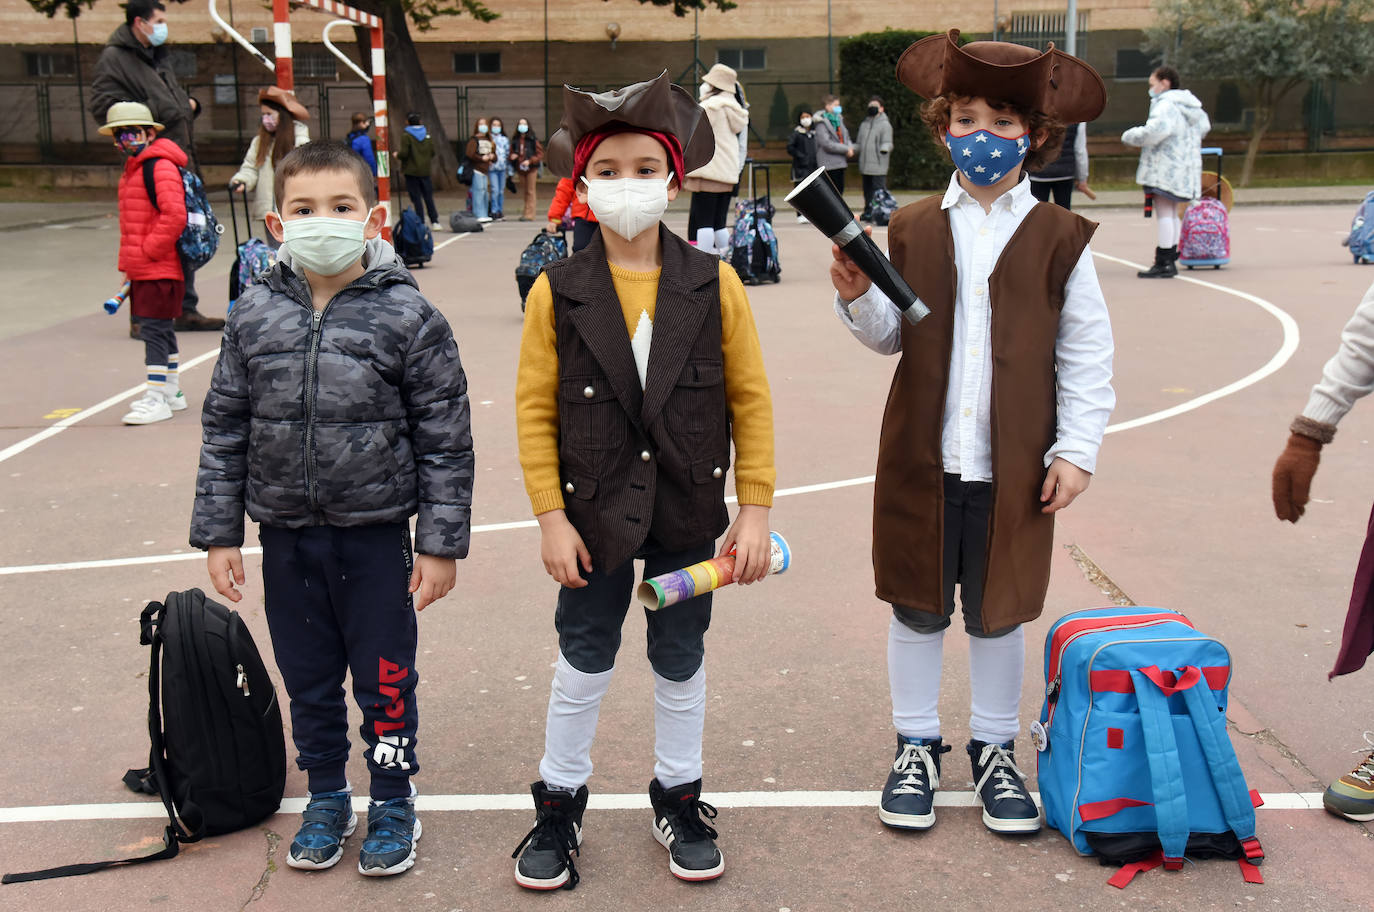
(746, 385)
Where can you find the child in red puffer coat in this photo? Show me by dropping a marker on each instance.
(148, 234)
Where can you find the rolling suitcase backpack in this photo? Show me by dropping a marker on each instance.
(544, 249)
(1135, 764)
(253, 258)
(753, 245)
(1205, 236)
(413, 240)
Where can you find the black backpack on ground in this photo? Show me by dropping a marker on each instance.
(218, 757)
(884, 204)
(464, 222)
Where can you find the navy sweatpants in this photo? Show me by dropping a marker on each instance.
(337, 601)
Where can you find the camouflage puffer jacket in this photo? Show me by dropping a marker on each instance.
(353, 415)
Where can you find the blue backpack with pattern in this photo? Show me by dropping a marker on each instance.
(200, 238)
(1361, 237)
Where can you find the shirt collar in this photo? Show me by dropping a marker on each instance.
(1018, 199)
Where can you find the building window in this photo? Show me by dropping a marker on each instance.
(1133, 64)
(317, 65)
(477, 62)
(1038, 29)
(258, 35)
(740, 59)
(48, 65)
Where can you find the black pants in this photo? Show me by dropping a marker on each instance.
(968, 506)
(709, 210)
(190, 300)
(589, 619)
(337, 602)
(159, 340)
(1062, 190)
(872, 184)
(837, 178)
(421, 189)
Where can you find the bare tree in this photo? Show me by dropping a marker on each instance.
(1268, 47)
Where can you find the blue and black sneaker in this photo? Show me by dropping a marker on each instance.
(328, 820)
(908, 801)
(392, 831)
(1001, 789)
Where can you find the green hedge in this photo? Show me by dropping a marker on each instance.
(868, 64)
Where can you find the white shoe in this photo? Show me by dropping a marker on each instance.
(176, 401)
(801, 218)
(150, 408)
(483, 219)
(436, 227)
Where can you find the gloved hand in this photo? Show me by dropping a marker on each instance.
(1293, 476)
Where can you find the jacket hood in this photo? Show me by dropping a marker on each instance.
(381, 265)
(123, 37)
(162, 147)
(419, 131)
(1188, 104)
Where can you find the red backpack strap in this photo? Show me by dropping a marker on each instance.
(1128, 871)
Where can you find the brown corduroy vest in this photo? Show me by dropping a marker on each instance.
(1027, 294)
(638, 462)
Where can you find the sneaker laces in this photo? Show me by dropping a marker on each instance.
(688, 815)
(554, 830)
(998, 764)
(1365, 771)
(909, 763)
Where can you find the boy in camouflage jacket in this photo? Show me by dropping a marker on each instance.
(338, 409)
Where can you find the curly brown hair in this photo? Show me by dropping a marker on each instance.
(935, 115)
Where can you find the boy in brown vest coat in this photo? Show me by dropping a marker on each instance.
(638, 364)
(997, 408)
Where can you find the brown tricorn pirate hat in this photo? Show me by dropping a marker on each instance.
(1049, 81)
(283, 100)
(655, 105)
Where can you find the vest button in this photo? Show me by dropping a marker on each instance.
(716, 472)
(569, 487)
(588, 392)
(646, 456)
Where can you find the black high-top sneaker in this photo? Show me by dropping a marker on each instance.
(545, 854)
(908, 801)
(678, 827)
(1001, 789)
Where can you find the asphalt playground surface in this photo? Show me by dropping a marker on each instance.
(1210, 369)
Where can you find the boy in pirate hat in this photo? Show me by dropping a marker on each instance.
(975, 460)
(638, 363)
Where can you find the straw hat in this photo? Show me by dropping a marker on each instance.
(128, 114)
(282, 100)
(1049, 81)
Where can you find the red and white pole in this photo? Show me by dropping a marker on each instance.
(281, 35)
(379, 121)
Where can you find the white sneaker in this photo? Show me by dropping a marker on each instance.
(176, 401)
(801, 218)
(150, 408)
(436, 227)
(483, 219)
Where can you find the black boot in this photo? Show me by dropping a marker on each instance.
(1163, 267)
(1171, 261)
(545, 854)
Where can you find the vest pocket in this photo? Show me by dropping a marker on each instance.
(699, 397)
(590, 416)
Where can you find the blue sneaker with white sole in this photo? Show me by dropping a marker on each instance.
(392, 831)
(327, 821)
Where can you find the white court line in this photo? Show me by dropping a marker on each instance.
(457, 237)
(59, 427)
(131, 810)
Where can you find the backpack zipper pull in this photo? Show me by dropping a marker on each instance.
(242, 682)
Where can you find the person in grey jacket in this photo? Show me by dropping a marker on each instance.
(135, 66)
(875, 150)
(337, 410)
(834, 148)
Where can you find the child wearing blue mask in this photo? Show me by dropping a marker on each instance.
(1021, 400)
(496, 178)
(338, 409)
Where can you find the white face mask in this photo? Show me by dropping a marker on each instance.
(630, 205)
(806, 121)
(324, 245)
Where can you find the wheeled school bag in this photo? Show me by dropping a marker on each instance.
(218, 756)
(1205, 236)
(199, 240)
(1135, 765)
(884, 204)
(253, 258)
(544, 249)
(413, 240)
(753, 245)
(1361, 237)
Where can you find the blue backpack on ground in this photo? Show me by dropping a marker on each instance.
(200, 238)
(544, 249)
(1136, 766)
(413, 240)
(1361, 238)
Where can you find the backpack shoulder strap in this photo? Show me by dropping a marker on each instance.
(150, 181)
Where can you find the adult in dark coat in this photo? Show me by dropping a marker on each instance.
(136, 66)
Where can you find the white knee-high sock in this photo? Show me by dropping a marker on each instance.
(913, 675)
(574, 704)
(995, 668)
(1166, 224)
(706, 240)
(722, 240)
(679, 717)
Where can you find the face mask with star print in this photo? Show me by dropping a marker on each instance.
(984, 157)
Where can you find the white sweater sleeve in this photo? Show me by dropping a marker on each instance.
(1349, 375)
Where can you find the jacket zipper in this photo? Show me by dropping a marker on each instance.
(316, 326)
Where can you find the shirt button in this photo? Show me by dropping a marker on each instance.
(982, 232)
(978, 291)
(645, 455)
(973, 352)
(569, 487)
(716, 472)
(588, 392)
(968, 412)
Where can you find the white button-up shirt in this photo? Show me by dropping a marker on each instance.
(1082, 351)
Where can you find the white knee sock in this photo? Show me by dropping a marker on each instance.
(574, 703)
(913, 675)
(679, 717)
(995, 667)
(1166, 224)
(706, 240)
(722, 240)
